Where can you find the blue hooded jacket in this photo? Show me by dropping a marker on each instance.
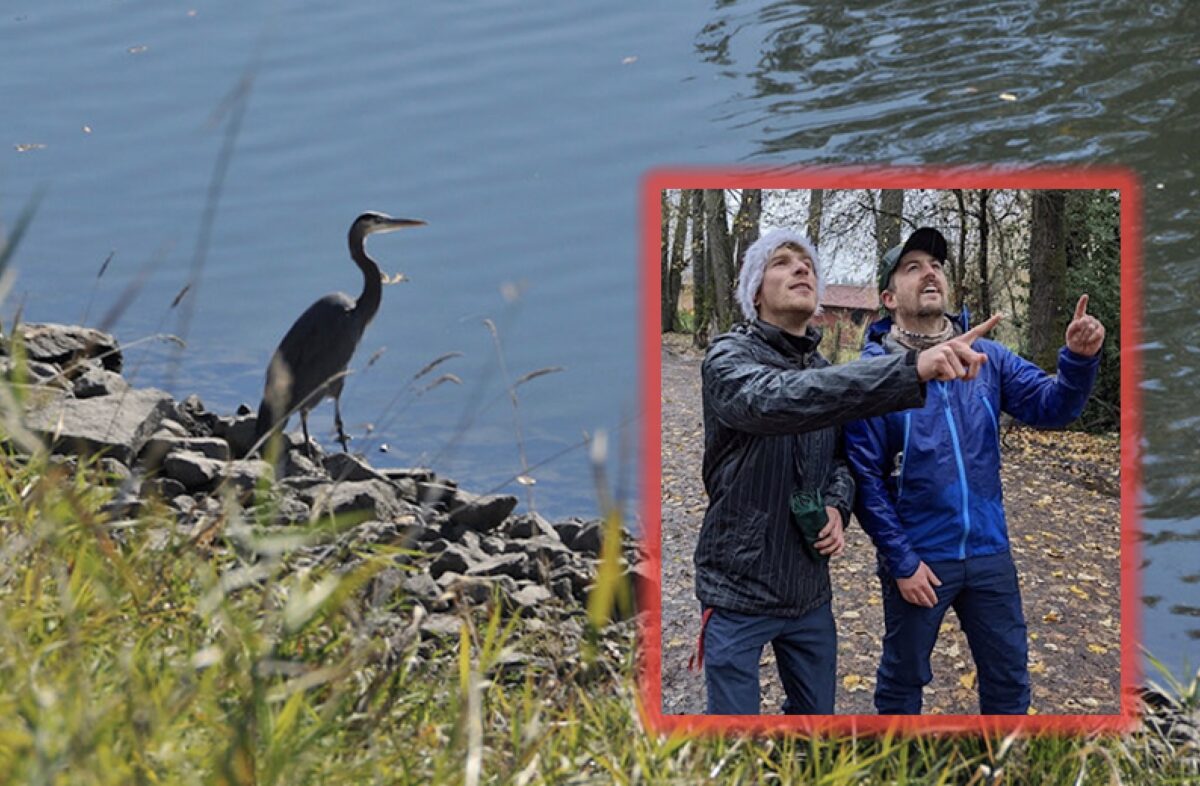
(929, 478)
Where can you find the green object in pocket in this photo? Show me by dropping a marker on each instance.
(808, 511)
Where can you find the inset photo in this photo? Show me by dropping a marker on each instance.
(894, 438)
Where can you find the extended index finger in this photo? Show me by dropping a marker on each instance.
(1081, 307)
(980, 330)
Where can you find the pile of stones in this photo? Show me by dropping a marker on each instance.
(458, 550)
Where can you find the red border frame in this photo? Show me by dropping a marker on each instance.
(650, 671)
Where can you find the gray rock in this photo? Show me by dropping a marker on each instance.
(478, 590)
(373, 498)
(422, 587)
(119, 425)
(163, 488)
(209, 447)
(436, 495)
(191, 413)
(290, 510)
(35, 373)
(563, 589)
(530, 525)
(384, 585)
(115, 469)
(452, 559)
(98, 382)
(343, 466)
(436, 546)
(416, 475)
(589, 539)
(552, 551)
(237, 431)
(567, 530)
(481, 514)
(304, 485)
(440, 626)
(513, 565)
(532, 596)
(296, 464)
(577, 583)
(61, 344)
(492, 545)
(244, 475)
(194, 470)
(421, 533)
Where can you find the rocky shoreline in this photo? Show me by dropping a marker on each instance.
(457, 551)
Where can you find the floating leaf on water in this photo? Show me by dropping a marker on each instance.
(1007, 97)
(87, 129)
(629, 60)
(28, 146)
(137, 50)
(526, 480)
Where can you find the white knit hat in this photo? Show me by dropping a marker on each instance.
(755, 263)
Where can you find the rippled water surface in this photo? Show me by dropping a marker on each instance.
(519, 132)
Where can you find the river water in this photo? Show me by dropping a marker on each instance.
(519, 132)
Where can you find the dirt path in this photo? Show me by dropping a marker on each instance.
(1063, 505)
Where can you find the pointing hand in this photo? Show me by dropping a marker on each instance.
(954, 359)
(1085, 334)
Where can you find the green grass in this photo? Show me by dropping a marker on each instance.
(124, 658)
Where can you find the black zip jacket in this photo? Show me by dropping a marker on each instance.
(773, 407)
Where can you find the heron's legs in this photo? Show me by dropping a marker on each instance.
(304, 425)
(337, 421)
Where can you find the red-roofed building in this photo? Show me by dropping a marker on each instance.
(846, 311)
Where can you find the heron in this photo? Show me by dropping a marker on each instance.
(310, 362)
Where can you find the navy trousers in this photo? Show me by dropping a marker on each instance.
(805, 651)
(987, 599)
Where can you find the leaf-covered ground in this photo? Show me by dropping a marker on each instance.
(1062, 498)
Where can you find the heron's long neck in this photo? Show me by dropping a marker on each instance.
(368, 302)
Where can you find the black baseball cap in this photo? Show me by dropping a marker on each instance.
(925, 239)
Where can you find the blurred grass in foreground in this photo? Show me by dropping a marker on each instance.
(126, 658)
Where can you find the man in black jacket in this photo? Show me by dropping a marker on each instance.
(778, 486)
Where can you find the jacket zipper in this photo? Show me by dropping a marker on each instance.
(903, 457)
(962, 472)
(991, 414)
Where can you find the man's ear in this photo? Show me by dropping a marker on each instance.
(888, 298)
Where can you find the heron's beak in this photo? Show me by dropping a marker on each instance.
(392, 224)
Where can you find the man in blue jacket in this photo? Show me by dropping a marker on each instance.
(929, 485)
(778, 486)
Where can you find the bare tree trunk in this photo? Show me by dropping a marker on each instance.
(816, 208)
(1047, 276)
(985, 292)
(888, 219)
(666, 310)
(719, 245)
(701, 296)
(675, 278)
(959, 267)
(745, 226)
